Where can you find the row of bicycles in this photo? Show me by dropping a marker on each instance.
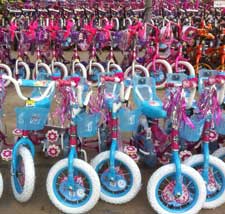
(180, 133)
(185, 41)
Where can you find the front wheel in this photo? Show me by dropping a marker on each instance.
(121, 185)
(93, 73)
(137, 70)
(78, 198)
(23, 178)
(60, 69)
(184, 67)
(23, 71)
(216, 179)
(159, 73)
(5, 69)
(41, 72)
(161, 186)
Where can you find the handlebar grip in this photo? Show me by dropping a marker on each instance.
(118, 77)
(71, 82)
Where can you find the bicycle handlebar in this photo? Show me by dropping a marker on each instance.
(17, 84)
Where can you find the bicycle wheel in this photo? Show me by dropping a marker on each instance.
(114, 68)
(23, 179)
(79, 70)
(96, 69)
(201, 66)
(41, 72)
(160, 191)
(216, 184)
(139, 70)
(124, 185)
(162, 68)
(184, 67)
(60, 68)
(5, 69)
(221, 67)
(23, 71)
(78, 199)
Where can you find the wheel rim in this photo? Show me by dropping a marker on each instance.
(216, 185)
(159, 74)
(76, 196)
(165, 193)
(123, 179)
(19, 176)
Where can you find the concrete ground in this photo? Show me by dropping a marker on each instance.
(40, 204)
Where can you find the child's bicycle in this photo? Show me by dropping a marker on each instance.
(175, 187)
(32, 117)
(72, 184)
(211, 168)
(119, 175)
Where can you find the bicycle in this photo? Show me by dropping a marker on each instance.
(72, 184)
(176, 187)
(118, 173)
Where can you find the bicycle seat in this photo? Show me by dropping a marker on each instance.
(153, 109)
(146, 99)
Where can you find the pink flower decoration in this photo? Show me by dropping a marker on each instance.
(52, 136)
(6, 154)
(53, 151)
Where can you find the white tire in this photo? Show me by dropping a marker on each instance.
(82, 68)
(220, 165)
(7, 71)
(116, 23)
(63, 68)
(29, 176)
(113, 67)
(36, 70)
(219, 153)
(27, 70)
(168, 70)
(99, 67)
(128, 72)
(190, 68)
(167, 170)
(82, 165)
(135, 171)
(1, 185)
